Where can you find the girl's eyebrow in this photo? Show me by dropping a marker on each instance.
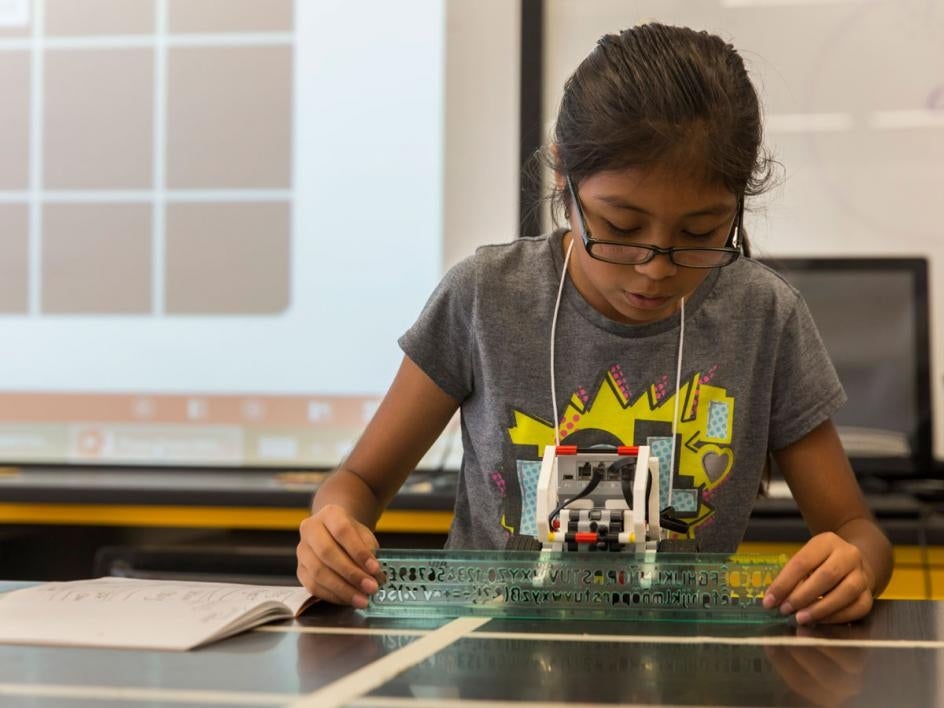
(711, 210)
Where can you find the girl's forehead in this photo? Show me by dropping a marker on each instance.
(656, 183)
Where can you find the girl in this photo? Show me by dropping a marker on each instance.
(641, 322)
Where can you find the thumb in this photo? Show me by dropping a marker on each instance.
(369, 540)
(367, 537)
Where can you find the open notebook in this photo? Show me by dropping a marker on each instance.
(141, 614)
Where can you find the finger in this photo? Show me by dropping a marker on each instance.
(307, 563)
(306, 576)
(348, 536)
(306, 560)
(832, 578)
(848, 591)
(367, 537)
(332, 587)
(849, 613)
(371, 541)
(332, 555)
(796, 569)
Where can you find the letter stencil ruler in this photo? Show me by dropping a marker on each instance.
(566, 585)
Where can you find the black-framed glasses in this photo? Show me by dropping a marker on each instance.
(623, 253)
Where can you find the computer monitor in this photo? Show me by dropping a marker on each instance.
(873, 316)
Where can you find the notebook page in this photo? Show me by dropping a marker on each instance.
(134, 613)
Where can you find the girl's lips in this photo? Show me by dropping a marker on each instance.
(646, 303)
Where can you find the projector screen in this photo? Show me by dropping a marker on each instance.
(219, 217)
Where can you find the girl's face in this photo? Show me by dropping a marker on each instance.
(652, 206)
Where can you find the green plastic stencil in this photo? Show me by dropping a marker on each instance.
(563, 585)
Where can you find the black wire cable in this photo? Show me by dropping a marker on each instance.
(595, 478)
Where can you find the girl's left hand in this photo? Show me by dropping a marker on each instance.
(826, 581)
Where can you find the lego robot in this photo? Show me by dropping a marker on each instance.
(602, 499)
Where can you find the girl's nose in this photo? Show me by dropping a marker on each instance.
(658, 268)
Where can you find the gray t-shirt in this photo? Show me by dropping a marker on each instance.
(755, 377)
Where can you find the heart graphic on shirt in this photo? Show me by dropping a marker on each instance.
(716, 464)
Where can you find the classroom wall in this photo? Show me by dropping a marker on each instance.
(854, 101)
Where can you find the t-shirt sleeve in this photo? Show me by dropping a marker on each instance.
(806, 388)
(441, 340)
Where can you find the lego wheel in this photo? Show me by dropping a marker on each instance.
(517, 542)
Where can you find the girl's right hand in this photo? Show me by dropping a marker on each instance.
(336, 557)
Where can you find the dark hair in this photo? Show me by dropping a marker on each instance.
(656, 93)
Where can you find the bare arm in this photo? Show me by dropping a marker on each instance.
(848, 562)
(410, 418)
(335, 553)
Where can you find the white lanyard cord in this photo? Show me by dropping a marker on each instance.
(678, 394)
(678, 369)
(560, 290)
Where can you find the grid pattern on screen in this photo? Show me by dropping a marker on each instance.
(146, 156)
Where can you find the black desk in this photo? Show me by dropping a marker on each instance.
(893, 658)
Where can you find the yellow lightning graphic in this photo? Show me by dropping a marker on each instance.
(609, 410)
